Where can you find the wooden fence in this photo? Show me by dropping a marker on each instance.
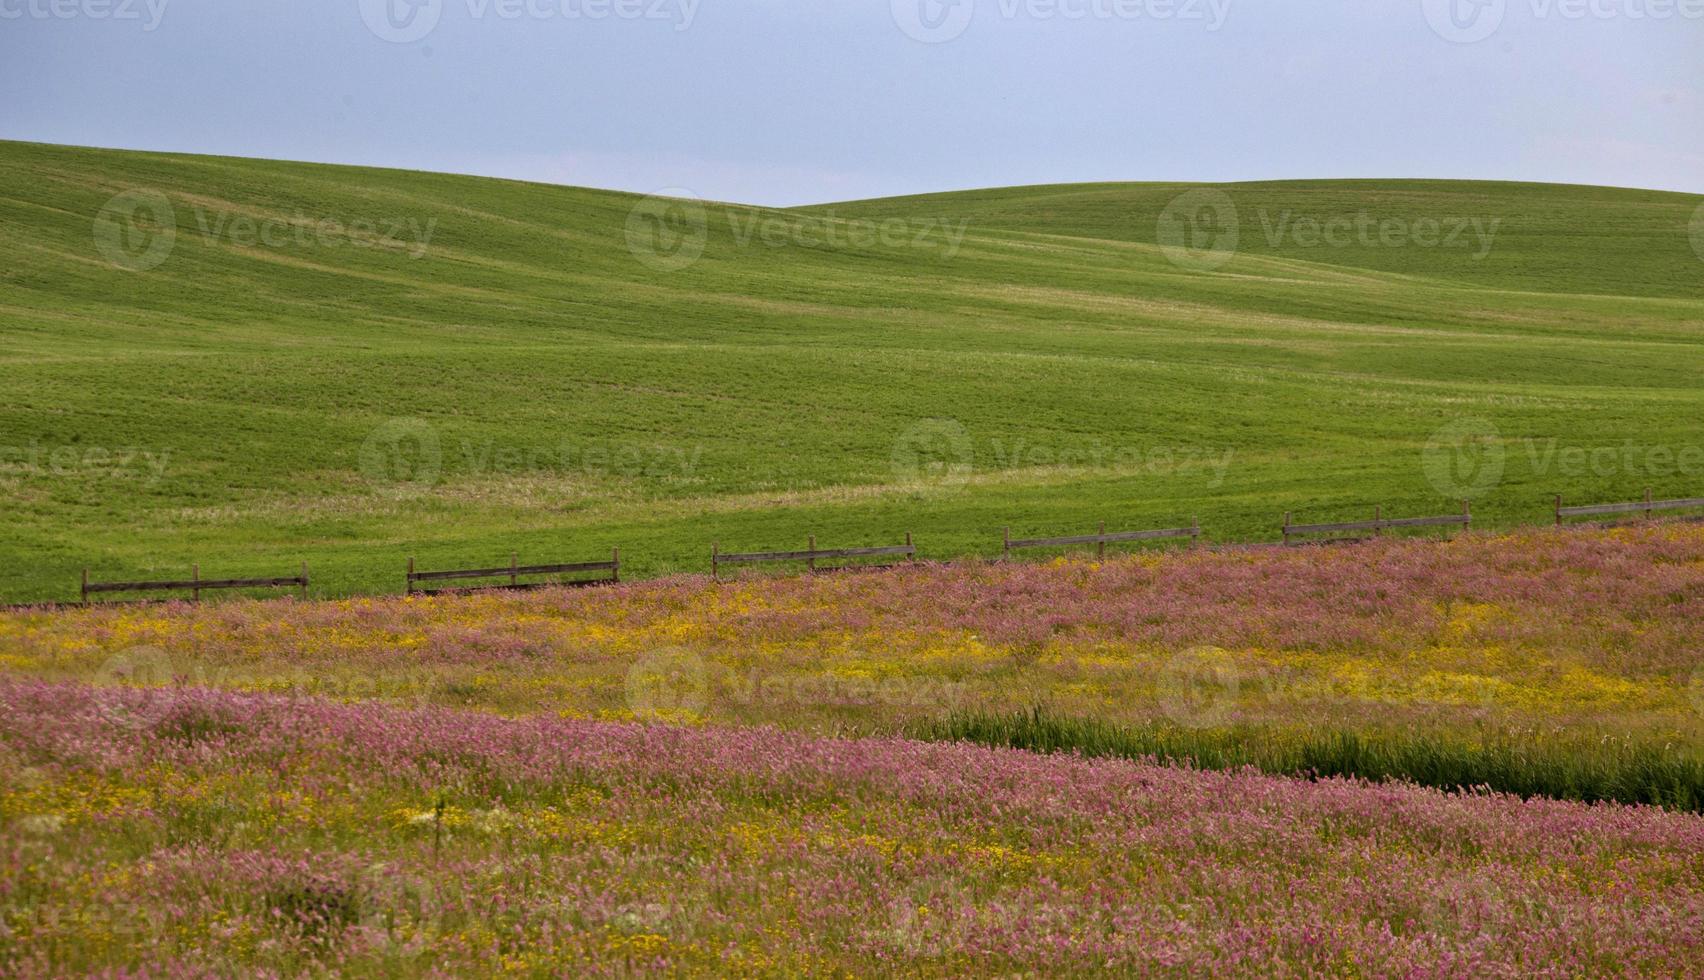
(1356, 530)
(1647, 507)
(1102, 539)
(812, 555)
(195, 584)
(514, 573)
(855, 558)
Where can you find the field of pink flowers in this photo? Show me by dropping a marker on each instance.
(210, 833)
(658, 777)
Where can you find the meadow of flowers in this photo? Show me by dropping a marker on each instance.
(189, 833)
(1599, 630)
(700, 778)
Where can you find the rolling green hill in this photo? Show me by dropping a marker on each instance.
(348, 366)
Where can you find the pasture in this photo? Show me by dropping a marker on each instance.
(348, 367)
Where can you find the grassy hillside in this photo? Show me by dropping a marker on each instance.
(340, 387)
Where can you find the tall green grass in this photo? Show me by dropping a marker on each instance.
(1586, 768)
(526, 382)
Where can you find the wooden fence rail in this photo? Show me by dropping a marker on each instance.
(514, 573)
(1378, 525)
(1102, 539)
(195, 584)
(1648, 507)
(812, 555)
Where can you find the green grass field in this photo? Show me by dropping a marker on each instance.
(309, 375)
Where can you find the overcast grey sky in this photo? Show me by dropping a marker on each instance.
(799, 101)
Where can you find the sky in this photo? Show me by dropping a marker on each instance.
(784, 102)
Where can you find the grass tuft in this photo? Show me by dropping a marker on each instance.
(1553, 767)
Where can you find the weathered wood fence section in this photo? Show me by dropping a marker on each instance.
(195, 584)
(812, 556)
(514, 573)
(1357, 530)
(1102, 539)
(1647, 507)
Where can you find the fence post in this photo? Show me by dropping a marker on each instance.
(1101, 550)
(615, 559)
(1006, 542)
(810, 545)
(195, 576)
(304, 581)
(1650, 512)
(85, 586)
(1558, 510)
(1378, 521)
(514, 569)
(410, 574)
(913, 556)
(1467, 514)
(1195, 532)
(1286, 528)
(715, 564)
